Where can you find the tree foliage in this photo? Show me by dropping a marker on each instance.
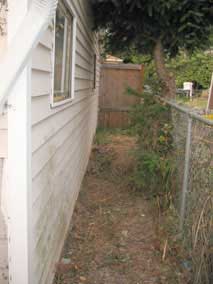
(196, 67)
(158, 27)
(178, 23)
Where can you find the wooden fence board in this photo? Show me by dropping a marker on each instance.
(114, 102)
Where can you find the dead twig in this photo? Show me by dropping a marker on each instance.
(165, 250)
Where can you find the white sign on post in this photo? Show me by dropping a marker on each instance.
(188, 86)
(210, 99)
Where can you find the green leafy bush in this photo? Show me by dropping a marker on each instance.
(154, 164)
(196, 67)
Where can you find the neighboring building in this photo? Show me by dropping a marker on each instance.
(113, 59)
(45, 146)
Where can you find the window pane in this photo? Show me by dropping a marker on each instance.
(63, 53)
(67, 79)
(59, 47)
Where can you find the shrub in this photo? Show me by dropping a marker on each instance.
(154, 164)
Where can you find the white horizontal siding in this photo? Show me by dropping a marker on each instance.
(82, 59)
(61, 143)
(3, 136)
(3, 239)
(3, 143)
(3, 154)
(81, 72)
(47, 39)
(84, 50)
(64, 156)
(63, 161)
(41, 59)
(41, 83)
(3, 121)
(49, 127)
(42, 103)
(48, 149)
(84, 19)
(84, 41)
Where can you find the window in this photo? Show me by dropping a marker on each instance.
(64, 51)
(94, 71)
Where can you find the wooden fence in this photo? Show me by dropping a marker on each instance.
(114, 103)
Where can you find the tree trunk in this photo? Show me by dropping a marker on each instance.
(166, 77)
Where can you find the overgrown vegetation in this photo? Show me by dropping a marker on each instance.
(155, 174)
(171, 35)
(154, 169)
(196, 67)
(151, 123)
(113, 237)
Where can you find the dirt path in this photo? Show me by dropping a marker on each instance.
(113, 239)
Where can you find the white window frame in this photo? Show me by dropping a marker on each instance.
(95, 57)
(73, 55)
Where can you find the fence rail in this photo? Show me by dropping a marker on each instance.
(189, 112)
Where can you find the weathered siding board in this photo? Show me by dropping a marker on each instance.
(3, 122)
(40, 83)
(84, 22)
(42, 103)
(3, 136)
(61, 143)
(81, 72)
(47, 39)
(61, 172)
(3, 141)
(82, 60)
(53, 124)
(85, 39)
(3, 238)
(83, 50)
(41, 59)
(58, 184)
(48, 149)
(81, 66)
(3, 154)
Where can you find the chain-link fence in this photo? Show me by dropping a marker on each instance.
(193, 140)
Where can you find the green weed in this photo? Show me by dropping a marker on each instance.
(154, 154)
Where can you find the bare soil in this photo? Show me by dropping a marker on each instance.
(114, 237)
